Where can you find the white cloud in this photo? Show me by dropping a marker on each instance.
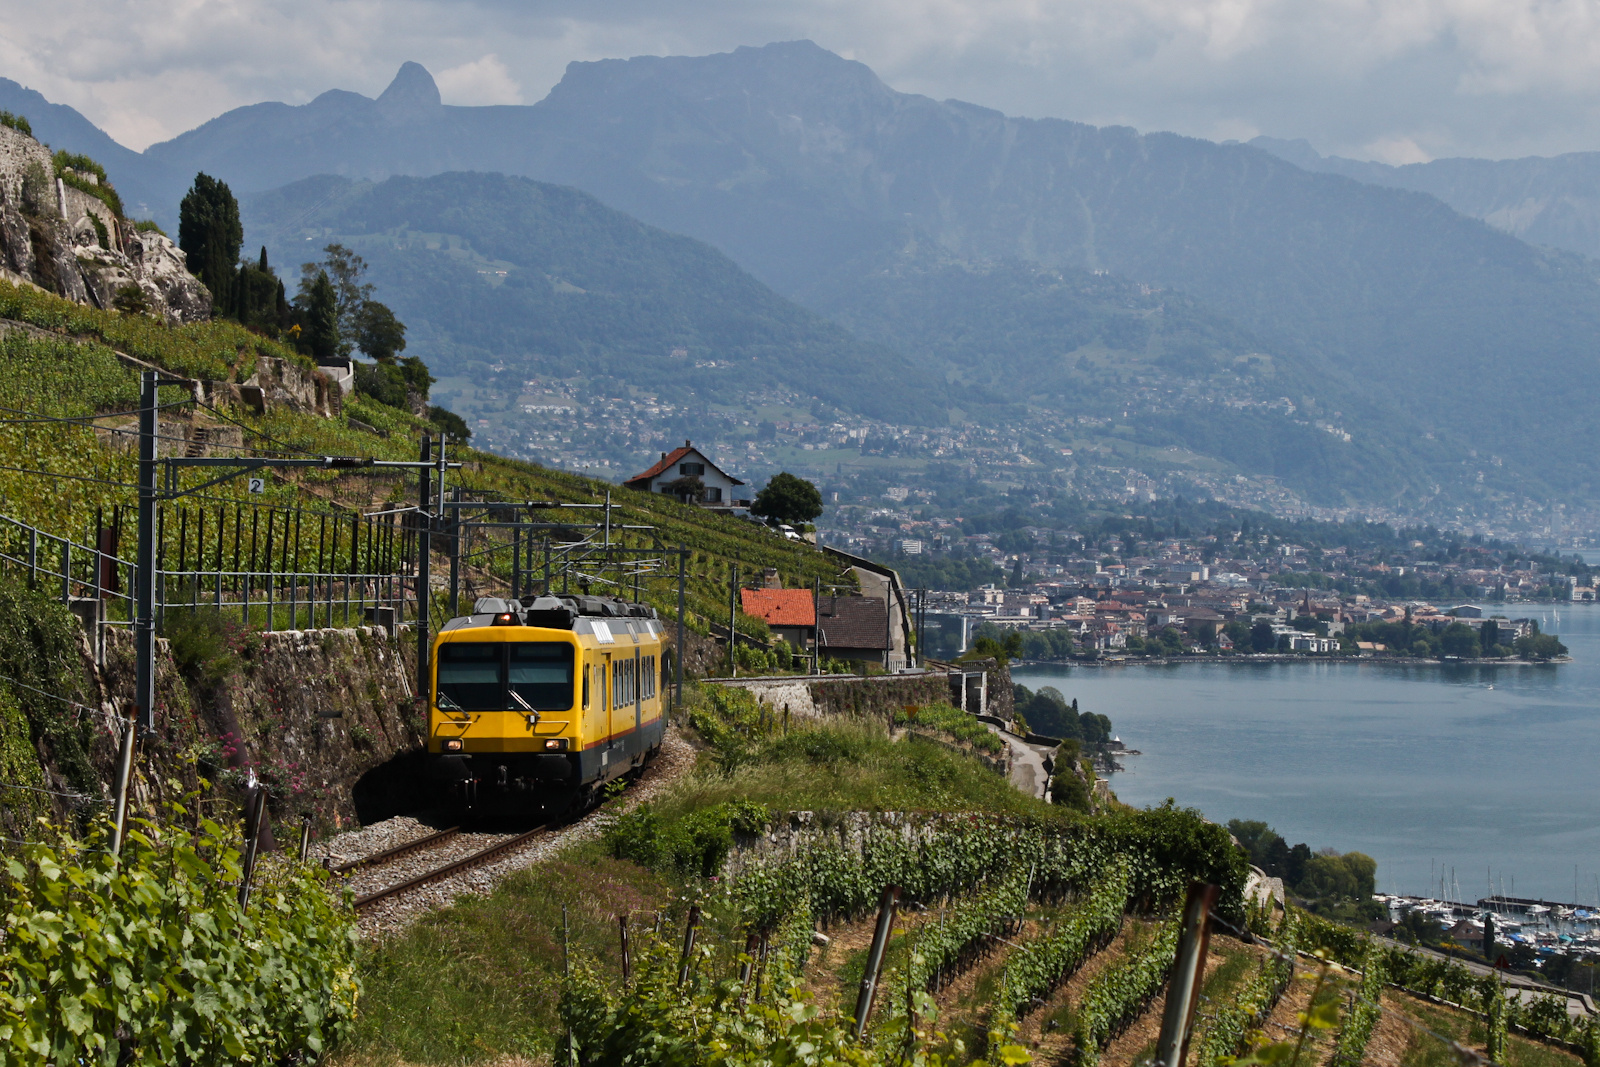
(483, 81)
(1357, 77)
(1396, 151)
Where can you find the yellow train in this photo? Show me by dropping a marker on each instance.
(536, 705)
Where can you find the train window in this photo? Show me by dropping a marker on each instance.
(541, 673)
(474, 675)
(586, 685)
(469, 675)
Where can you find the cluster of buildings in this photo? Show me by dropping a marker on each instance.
(1217, 594)
(1200, 617)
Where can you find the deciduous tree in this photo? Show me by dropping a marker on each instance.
(788, 499)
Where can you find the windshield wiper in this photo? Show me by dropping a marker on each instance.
(446, 703)
(524, 704)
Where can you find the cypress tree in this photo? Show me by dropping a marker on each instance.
(210, 234)
(321, 337)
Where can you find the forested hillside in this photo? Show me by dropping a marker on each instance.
(486, 268)
(1155, 364)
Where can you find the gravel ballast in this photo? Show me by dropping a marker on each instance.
(395, 914)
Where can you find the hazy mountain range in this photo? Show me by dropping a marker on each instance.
(1545, 201)
(1044, 263)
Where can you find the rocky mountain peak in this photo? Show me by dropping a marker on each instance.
(412, 91)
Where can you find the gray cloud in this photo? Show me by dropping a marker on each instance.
(1397, 80)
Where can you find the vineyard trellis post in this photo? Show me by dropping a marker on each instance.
(627, 962)
(689, 930)
(1183, 989)
(119, 819)
(880, 942)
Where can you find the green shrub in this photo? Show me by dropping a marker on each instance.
(202, 641)
(70, 167)
(16, 122)
(696, 844)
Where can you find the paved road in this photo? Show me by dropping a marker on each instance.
(1027, 764)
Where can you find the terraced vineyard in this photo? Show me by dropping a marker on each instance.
(969, 981)
(59, 361)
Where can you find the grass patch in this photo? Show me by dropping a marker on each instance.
(953, 723)
(853, 766)
(1424, 1050)
(480, 979)
(1236, 968)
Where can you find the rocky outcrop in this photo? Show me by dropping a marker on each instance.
(282, 384)
(322, 718)
(70, 242)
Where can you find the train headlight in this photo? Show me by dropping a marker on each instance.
(453, 745)
(555, 744)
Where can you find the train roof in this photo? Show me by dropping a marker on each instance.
(561, 612)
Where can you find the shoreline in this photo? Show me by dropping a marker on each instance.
(1288, 657)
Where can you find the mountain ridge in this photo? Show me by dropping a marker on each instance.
(1545, 200)
(797, 164)
(486, 268)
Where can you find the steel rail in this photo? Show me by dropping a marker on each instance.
(466, 863)
(395, 853)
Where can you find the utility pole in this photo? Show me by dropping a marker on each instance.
(733, 600)
(144, 622)
(677, 665)
(424, 535)
(455, 552)
(145, 570)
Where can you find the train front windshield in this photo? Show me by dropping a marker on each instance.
(505, 676)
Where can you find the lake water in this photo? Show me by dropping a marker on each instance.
(1492, 772)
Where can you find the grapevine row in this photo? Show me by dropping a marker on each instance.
(1041, 964)
(1120, 993)
(1223, 1035)
(1543, 1018)
(842, 870)
(965, 933)
(1356, 1031)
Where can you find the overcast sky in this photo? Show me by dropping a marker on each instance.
(1399, 81)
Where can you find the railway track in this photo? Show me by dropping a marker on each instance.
(421, 844)
(477, 859)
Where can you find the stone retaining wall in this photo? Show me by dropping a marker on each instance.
(819, 695)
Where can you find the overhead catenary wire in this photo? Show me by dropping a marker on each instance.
(251, 429)
(54, 793)
(56, 696)
(69, 477)
(82, 420)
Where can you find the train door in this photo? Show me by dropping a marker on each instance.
(621, 715)
(597, 715)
